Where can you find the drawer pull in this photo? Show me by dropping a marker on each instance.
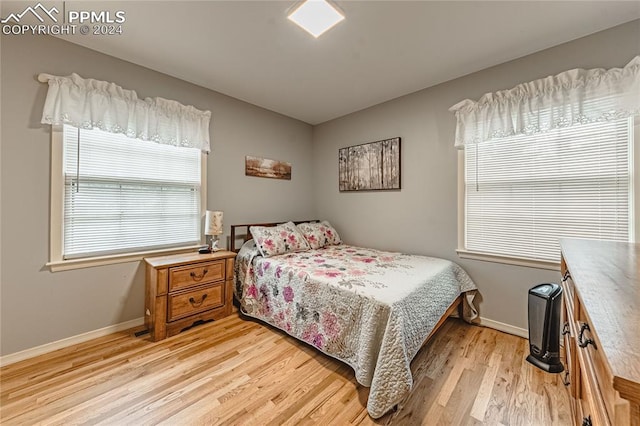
(199, 277)
(584, 343)
(565, 328)
(565, 379)
(586, 421)
(197, 304)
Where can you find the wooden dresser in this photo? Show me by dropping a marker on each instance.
(601, 283)
(185, 289)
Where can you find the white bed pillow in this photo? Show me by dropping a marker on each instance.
(280, 239)
(320, 234)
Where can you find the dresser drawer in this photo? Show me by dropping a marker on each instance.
(596, 361)
(599, 394)
(188, 303)
(569, 295)
(193, 275)
(569, 376)
(590, 400)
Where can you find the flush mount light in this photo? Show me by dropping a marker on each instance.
(316, 16)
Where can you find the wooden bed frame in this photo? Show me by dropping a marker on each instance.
(456, 305)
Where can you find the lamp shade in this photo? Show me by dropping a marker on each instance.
(213, 223)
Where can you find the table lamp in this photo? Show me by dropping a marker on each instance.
(213, 228)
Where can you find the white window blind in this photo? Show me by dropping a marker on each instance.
(523, 193)
(127, 195)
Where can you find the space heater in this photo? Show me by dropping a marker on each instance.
(545, 302)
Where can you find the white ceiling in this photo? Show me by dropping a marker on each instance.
(382, 50)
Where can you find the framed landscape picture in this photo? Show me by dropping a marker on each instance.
(264, 167)
(370, 167)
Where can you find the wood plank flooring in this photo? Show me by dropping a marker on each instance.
(241, 372)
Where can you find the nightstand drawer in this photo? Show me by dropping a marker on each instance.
(185, 304)
(189, 276)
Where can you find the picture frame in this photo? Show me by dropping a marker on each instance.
(373, 166)
(267, 168)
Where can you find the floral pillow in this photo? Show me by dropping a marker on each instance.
(319, 234)
(273, 240)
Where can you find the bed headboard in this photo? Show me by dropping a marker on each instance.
(247, 235)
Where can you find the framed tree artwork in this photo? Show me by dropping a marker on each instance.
(371, 166)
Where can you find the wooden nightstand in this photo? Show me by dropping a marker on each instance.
(186, 288)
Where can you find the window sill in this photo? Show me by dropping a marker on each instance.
(90, 262)
(509, 260)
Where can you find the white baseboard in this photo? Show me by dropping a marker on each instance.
(506, 328)
(49, 347)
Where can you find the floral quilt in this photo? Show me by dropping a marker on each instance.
(370, 309)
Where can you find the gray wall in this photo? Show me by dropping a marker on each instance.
(421, 218)
(38, 306)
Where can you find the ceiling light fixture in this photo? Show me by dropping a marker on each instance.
(316, 16)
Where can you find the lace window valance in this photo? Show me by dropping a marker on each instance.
(573, 97)
(94, 104)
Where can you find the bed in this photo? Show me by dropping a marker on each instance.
(370, 309)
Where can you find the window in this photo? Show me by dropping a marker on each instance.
(548, 159)
(523, 193)
(121, 195)
(127, 174)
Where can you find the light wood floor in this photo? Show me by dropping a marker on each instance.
(241, 372)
